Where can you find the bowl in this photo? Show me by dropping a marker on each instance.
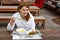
(21, 31)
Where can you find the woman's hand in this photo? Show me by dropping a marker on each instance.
(12, 21)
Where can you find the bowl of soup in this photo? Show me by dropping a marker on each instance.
(21, 31)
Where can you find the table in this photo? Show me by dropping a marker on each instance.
(5, 19)
(15, 2)
(35, 9)
(15, 9)
(35, 37)
(48, 34)
(49, 6)
(40, 20)
(6, 35)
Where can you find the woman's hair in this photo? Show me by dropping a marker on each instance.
(22, 5)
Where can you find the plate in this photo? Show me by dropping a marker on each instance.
(32, 32)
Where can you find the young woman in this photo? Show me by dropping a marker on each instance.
(23, 19)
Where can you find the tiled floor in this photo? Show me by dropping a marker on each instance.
(48, 16)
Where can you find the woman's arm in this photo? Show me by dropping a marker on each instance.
(11, 24)
(32, 24)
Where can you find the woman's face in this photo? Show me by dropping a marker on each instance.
(24, 11)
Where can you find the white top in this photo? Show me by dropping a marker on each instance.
(28, 25)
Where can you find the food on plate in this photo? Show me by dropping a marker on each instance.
(32, 32)
(22, 30)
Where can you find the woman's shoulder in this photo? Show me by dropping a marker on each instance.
(16, 14)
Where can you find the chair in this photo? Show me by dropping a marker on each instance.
(39, 3)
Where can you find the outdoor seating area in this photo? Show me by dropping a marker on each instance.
(29, 19)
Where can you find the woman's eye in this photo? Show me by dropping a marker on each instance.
(27, 10)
